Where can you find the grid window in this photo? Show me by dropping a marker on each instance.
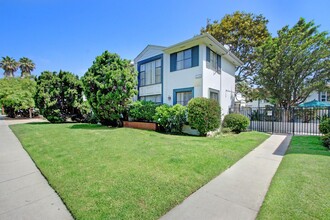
(183, 97)
(151, 73)
(183, 60)
(214, 95)
(325, 97)
(213, 60)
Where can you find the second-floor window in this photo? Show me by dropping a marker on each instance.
(184, 59)
(213, 60)
(151, 73)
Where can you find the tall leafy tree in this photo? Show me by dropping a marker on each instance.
(59, 96)
(109, 86)
(294, 64)
(27, 66)
(9, 65)
(243, 33)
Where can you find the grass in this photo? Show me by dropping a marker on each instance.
(103, 173)
(300, 188)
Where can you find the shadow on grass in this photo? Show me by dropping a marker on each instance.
(38, 123)
(91, 127)
(309, 145)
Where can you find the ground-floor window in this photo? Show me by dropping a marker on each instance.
(153, 98)
(214, 94)
(183, 96)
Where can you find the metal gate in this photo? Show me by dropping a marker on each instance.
(299, 121)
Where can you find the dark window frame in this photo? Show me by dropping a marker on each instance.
(217, 60)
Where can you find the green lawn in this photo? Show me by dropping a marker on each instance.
(301, 187)
(103, 173)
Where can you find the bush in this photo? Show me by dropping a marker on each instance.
(204, 114)
(326, 140)
(236, 122)
(59, 96)
(171, 118)
(325, 126)
(17, 96)
(109, 85)
(142, 111)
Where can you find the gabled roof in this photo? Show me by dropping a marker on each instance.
(148, 47)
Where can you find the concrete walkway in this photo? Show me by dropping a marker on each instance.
(238, 192)
(24, 192)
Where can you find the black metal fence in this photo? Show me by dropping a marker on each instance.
(299, 121)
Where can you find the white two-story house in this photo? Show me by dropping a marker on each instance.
(198, 67)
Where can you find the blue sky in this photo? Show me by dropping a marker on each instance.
(69, 34)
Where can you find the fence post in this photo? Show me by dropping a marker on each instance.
(273, 118)
(293, 121)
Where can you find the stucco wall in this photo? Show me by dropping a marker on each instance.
(186, 78)
(224, 83)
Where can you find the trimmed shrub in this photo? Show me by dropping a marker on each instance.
(171, 118)
(326, 140)
(204, 114)
(236, 122)
(142, 111)
(325, 126)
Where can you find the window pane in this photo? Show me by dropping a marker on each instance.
(158, 63)
(142, 67)
(214, 95)
(187, 54)
(187, 63)
(148, 73)
(152, 98)
(158, 75)
(179, 65)
(179, 56)
(142, 78)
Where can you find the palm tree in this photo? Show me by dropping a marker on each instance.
(27, 66)
(9, 65)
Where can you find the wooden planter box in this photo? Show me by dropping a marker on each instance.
(141, 125)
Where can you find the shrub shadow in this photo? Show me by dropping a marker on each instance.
(91, 127)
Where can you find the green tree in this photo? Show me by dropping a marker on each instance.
(17, 95)
(59, 96)
(9, 65)
(27, 66)
(243, 33)
(294, 64)
(109, 86)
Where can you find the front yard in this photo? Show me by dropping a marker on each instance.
(103, 173)
(300, 187)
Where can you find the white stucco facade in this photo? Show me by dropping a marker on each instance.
(186, 72)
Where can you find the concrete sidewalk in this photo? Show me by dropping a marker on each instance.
(238, 192)
(24, 192)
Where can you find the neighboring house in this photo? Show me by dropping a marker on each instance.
(319, 96)
(198, 67)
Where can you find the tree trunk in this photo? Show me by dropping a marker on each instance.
(30, 112)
